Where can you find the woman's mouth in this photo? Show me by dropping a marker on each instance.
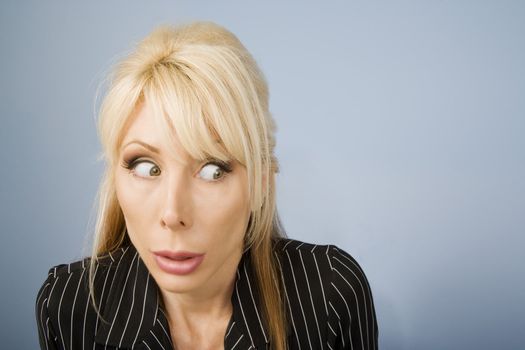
(178, 263)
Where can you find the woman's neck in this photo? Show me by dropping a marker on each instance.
(207, 304)
(198, 320)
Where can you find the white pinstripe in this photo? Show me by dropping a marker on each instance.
(321, 283)
(339, 321)
(237, 342)
(121, 295)
(132, 304)
(311, 300)
(47, 326)
(373, 321)
(288, 303)
(157, 339)
(332, 329)
(47, 284)
(165, 331)
(328, 257)
(51, 292)
(330, 303)
(349, 315)
(286, 245)
(299, 246)
(357, 303)
(255, 305)
(86, 312)
(143, 308)
(157, 308)
(73, 310)
(111, 285)
(144, 342)
(229, 330)
(59, 306)
(343, 336)
(243, 316)
(42, 324)
(299, 299)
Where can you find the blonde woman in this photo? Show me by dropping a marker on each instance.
(188, 251)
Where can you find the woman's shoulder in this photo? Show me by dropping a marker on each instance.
(325, 266)
(327, 285)
(103, 261)
(65, 277)
(64, 298)
(329, 257)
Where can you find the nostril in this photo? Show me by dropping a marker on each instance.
(173, 221)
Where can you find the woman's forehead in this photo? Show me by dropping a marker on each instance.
(144, 130)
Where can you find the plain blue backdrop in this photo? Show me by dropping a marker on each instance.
(400, 136)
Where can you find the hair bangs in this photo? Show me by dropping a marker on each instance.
(201, 120)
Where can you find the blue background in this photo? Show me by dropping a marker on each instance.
(401, 140)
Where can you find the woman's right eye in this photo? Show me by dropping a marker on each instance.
(143, 168)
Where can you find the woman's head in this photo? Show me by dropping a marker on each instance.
(205, 93)
(173, 202)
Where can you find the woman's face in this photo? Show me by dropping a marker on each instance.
(176, 206)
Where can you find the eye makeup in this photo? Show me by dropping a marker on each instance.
(131, 162)
(226, 166)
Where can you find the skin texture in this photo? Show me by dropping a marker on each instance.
(172, 202)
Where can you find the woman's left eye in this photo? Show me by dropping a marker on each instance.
(147, 169)
(212, 172)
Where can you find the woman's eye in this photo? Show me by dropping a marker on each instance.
(211, 172)
(146, 169)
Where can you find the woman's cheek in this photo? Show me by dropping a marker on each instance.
(130, 195)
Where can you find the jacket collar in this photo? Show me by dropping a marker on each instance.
(134, 313)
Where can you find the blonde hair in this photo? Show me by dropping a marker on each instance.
(205, 87)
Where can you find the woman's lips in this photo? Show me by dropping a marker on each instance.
(178, 263)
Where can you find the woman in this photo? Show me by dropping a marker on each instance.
(188, 250)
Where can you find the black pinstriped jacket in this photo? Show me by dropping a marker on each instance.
(328, 299)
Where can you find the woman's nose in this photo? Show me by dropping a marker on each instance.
(176, 213)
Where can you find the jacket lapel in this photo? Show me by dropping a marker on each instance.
(248, 328)
(132, 305)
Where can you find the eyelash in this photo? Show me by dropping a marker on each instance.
(224, 166)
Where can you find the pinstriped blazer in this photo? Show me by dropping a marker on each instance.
(328, 300)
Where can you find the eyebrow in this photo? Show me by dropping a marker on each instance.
(143, 144)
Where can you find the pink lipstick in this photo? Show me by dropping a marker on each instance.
(179, 262)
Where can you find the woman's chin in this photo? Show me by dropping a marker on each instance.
(176, 284)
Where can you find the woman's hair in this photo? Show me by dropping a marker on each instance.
(205, 88)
